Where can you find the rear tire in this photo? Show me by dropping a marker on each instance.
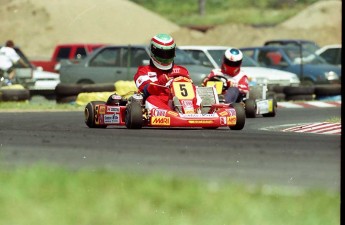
(240, 117)
(134, 115)
(250, 108)
(273, 113)
(90, 114)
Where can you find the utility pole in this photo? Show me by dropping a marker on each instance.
(202, 7)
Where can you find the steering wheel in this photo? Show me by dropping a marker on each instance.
(222, 79)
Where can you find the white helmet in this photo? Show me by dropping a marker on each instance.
(232, 61)
(162, 51)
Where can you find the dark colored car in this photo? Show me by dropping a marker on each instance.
(311, 68)
(308, 45)
(120, 62)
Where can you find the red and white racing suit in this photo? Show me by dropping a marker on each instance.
(239, 81)
(151, 82)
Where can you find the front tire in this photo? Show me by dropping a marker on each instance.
(250, 108)
(134, 115)
(240, 117)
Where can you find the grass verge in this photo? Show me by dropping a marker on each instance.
(39, 106)
(47, 195)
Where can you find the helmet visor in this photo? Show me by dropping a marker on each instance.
(163, 54)
(231, 63)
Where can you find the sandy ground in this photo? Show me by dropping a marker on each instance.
(38, 25)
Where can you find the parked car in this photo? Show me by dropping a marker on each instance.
(74, 52)
(212, 56)
(331, 53)
(311, 68)
(308, 45)
(120, 62)
(34, 79)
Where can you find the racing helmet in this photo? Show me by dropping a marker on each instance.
(232, 61)
(162, 51)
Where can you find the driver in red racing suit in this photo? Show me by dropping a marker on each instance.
(237, 84)
(153, 80)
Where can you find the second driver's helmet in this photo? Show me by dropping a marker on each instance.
(162, 51)
(232, 61)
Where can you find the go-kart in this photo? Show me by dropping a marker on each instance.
(255, 102)
(134, 114)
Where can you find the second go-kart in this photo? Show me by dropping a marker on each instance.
(133, 113)
(256, 102)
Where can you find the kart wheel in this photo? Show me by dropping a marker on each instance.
(90, 114)
(240, 117)
(274, 109)
(134, 115)
(250, 108)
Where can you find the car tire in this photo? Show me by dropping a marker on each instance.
(301, 90)
(14, 94)
(134, 115)
(327, 90)
(89, 114)
(274, 112)
(67, 89)
(66, 99)
(240, 117)
(250, 108)
(108, 87)
(299, 97)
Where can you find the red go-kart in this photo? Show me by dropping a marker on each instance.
(184, 113)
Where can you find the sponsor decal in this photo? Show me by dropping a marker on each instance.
(152, 74)
(116, 97)
(99, 119)
(113, 109)
(189, 111)
(187, 103)
(199, 115)
(102, 109)
(176, 70)
(160, 120)
(231, 120)
(222, 120)
(172, 113)
(231, 112)
(115, 118)
(158, 112)
(200, 121)
(223, 113)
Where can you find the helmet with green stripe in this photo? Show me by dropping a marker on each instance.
(162, 51)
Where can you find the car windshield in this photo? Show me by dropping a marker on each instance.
(294, 54)
(184, 58)
(218, 54)
(306, 45)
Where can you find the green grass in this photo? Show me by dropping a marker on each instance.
(39, 106)
(47, 195)
(251, 12)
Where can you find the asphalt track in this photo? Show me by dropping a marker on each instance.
(259, 154)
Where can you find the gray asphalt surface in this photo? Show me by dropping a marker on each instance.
(252, 156)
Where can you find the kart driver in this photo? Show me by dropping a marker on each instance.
(237, 85)
(153, 80)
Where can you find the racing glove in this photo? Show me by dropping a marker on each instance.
(163, 79)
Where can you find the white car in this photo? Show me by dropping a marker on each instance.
(212, 56)
(44, 80)
(34, 79)
(331, 53)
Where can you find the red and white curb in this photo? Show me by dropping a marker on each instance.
(311, 104)
(317, 128)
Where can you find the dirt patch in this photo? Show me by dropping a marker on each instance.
(38, 25)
